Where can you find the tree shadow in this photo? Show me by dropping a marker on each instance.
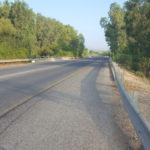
(2, 148)
(101, 103)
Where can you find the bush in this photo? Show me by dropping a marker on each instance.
(140, 74)
(13, 53)
(124, 59)
(64, 53)
(144, 66)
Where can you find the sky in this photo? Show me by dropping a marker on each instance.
(83, 15)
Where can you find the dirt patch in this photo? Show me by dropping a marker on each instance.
(122, 120)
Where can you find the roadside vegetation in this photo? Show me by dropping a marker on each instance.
(25, 34)
(98, 53)
(127, 31)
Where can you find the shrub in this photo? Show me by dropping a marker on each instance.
(124, 59)
(64, 53)
(144, 66)
(140, 74)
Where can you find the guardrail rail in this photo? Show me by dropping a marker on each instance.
(142, 127)
(15, 60)
(38, 59)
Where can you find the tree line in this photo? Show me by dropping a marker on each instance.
(25, 34)
(127, 32)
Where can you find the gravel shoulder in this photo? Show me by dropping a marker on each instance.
(85, 112)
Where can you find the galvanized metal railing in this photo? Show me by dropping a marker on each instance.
(38, 59)
(142, 127)
(15, 60)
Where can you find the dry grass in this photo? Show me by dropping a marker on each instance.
(125, 124)
(142, 86)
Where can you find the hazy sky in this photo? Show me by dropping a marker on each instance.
(83, 15)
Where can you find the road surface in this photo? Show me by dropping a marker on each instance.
(73, 110)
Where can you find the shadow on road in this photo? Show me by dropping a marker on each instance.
(1, 148)
(100, 98)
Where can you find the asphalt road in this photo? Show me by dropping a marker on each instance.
(18, 83)
(76, 114)
(30, 67)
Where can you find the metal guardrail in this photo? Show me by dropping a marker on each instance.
(15, 60)
(38, 59)
(141, 125)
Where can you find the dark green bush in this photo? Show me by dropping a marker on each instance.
(144, 66)
(124, 59)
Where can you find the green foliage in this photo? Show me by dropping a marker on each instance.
(4, 9)
(6, 27)
(99, 53)
(124, 59)
(93, 53)
(127, 32)
(24, 34)
(104, 53)
(140, 74)
(85, 53)
(144, 66)
(115, 28)
(64, 53)
(7, 53)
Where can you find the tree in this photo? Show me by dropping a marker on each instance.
(6, 28)
(127, 32)
(115, 28)
(26, 34)
(5, 9)
(23, 20)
